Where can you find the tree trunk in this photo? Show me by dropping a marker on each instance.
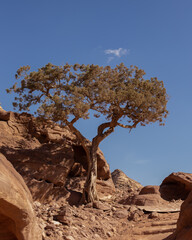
(90, 191)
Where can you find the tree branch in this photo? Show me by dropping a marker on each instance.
(102, 127)
(108, 132)
(75, 119)
(128, 126)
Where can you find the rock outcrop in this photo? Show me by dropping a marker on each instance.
(125, 187)
(121, 180)
(46, 157)
(149, 199)
(17, 219)
(4, 115)
(176, 186)
(184, 224)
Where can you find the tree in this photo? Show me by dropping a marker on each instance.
(65, 94)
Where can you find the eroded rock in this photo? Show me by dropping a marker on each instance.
(184, 224)
(17, 219)
(121, 180)
(47, 156)
(150, 189)
(176, 186)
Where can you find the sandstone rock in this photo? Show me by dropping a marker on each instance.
(121, 214)
(105, 189)
(101, 206)
(149, 190)
(103, 171)
(134, 213)
(69, 238)
(184, 224)
(154, 215)
(121, 180)
(17, 219)
(126, 187)
(148, 200)
(176, 186)
(4, 115)
(63, 219)
(46, 157)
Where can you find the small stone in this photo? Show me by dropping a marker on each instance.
(69, 238)
(63, 219)
(133, 209)
(97, 237)
(113, 230)
(88, 205)
(37, 204)
(84, 234)
(93, 218)
(101, 206)
(153, 215)
(109, 234)
(121, 214)
(49, 227)
(56, 222)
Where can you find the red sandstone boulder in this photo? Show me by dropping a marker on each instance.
(147, 200)
(149, 190)
(184, 224)
(17, 219)
(176, 186)
(150, 200)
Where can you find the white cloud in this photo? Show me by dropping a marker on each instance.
(116, 52)
(110, 59)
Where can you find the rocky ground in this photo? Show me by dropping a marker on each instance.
(106, 220)
(113, 219)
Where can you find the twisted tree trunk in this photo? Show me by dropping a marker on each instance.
(90, 191)
(104, 130)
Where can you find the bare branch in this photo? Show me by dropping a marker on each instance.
(75, 119)
(128, 126)
(108, 132)
(102, 127)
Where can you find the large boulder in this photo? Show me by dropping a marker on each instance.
(184, 224)
(150, 189)
(17, 219)
(150, 200)
(176, 186)
(46, 156)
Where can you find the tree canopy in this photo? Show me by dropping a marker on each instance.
(69, 91)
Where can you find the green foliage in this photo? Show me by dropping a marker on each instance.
(69, 92)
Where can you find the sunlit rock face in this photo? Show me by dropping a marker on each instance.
(17, 219)
(47, 157)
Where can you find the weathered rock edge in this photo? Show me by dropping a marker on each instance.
(17, 218)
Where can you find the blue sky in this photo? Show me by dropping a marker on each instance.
(154, 35)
